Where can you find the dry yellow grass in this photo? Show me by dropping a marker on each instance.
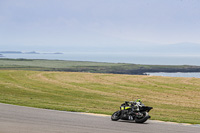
(173, 99)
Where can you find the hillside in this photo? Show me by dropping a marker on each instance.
(173, 99)
(92, 67)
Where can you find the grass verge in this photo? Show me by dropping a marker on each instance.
(173, 99)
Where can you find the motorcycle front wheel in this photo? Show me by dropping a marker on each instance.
(116, 116)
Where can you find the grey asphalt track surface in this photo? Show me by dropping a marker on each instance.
(18, 119)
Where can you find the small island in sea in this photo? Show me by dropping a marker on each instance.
(20, 52)
(10, 52)
(32, 52)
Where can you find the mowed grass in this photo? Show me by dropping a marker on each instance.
(43, 63)
(173, 99)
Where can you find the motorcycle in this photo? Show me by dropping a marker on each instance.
(132, 112)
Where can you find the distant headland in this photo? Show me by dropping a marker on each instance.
(30, 52)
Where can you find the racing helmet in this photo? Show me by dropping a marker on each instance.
(139, 100)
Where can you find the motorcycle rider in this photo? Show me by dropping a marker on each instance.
(132, 110)
(136, 104)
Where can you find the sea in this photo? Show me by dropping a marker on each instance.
(119, 58)
(177, 74)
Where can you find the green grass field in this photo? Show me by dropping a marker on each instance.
(173, 99)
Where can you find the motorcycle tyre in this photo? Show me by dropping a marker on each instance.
(142, 120)
(115, 117)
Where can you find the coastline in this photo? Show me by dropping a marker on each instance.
(91, 67)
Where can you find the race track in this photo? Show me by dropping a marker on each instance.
(17, 119)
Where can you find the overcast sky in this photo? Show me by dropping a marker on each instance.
(61, 24)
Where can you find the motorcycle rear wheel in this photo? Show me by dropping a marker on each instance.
(143, 119)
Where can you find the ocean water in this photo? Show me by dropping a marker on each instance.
(178, 74)
(114, 58)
